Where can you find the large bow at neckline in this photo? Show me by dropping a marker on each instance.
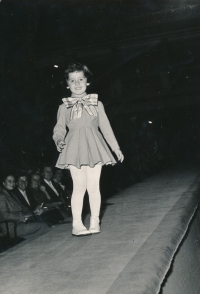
(77, 104)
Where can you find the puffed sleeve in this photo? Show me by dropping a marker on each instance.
(59, 131)
(105, 128)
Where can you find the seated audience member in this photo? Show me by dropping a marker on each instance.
(58, 178)
(54, 190)
(22, 192)
(25, 197)
(50, 209)
(12, 209)
(34, 188)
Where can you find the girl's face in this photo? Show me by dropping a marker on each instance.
(9, 183)
(77, 83)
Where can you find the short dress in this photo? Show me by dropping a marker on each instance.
(85, 144)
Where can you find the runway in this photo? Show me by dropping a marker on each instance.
(142, 229)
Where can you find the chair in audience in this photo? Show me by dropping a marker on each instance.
(5, 239)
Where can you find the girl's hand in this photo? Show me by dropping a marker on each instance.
(119, 154)
(60, 145)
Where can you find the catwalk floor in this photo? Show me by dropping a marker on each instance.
(142, 229)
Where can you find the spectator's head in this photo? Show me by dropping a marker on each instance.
(35, 181)
(34, 170)
(47, 172)
(9, 181)
(22, 180)
(58, 175)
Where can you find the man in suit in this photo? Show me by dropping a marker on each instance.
(23, 194)
(58, 178)
(54, 190)
(51, 211)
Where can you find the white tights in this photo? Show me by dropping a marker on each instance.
(85, 178)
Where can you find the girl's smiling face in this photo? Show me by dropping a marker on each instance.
(77, 83)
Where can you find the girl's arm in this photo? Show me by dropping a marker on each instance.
(107, 131)
(59, 131)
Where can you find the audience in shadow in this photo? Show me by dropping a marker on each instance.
(12, 209)
(34, 201)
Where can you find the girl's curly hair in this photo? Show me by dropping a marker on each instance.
(72, 67)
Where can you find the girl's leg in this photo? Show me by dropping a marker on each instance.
(79, 177)
(93, 178)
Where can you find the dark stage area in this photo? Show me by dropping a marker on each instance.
(144, 56)
(145, 60)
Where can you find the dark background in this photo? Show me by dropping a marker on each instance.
(145, 59)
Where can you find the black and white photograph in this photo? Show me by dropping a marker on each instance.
(99, 147)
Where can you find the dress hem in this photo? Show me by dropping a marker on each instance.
(66, 166)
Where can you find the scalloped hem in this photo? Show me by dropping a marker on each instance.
(67, 166)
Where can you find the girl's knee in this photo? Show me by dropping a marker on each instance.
(93, 189)
(79, 189)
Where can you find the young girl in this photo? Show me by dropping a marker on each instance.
(83, 151)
